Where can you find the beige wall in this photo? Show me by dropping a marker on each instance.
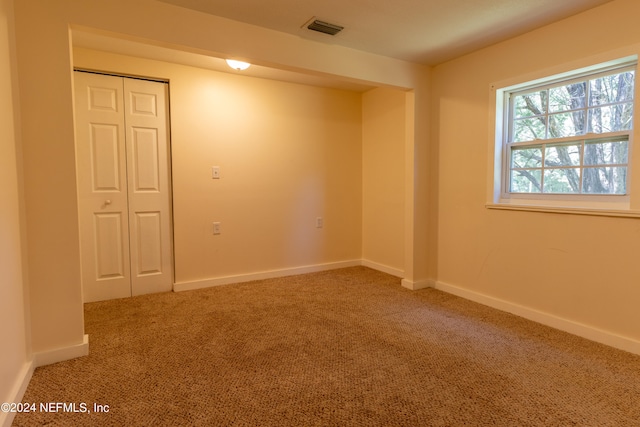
(14, 356)
(46, 113)
(288, 153)
(43, 44)
(383, 169)
(581, 268)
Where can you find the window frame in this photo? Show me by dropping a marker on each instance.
(498, 189)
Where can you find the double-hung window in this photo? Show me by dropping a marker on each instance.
(569, 136)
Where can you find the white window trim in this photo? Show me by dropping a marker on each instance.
(602, 205)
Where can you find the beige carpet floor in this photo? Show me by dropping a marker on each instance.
(348, 347)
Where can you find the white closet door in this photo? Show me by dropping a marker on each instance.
(123, 186)
(148, 186)
(102, 187)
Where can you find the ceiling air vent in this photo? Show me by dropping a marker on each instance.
(324, 27)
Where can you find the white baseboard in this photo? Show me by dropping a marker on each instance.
(417, 285)
(61, 354)
(575, 328)
(17, 392)
(383, 268)
(227, 280)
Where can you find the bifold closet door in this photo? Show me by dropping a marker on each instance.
(123, 186)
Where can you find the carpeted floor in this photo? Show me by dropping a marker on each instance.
(348, 347)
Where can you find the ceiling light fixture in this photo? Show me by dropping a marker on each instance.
(237, 65)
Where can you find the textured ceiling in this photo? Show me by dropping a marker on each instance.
(422, 31)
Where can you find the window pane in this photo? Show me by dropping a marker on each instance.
(529, 157)
(611, 89)
(605, 180)
(606, 153)
(562, 180)
(612, 118)
(531, 104)
(525, 181)
(529, 129)
(566, 124)
(562, 155)
(569, 97)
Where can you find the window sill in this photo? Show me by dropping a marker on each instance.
(565, 210)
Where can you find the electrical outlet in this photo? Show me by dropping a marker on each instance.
(216, 228)
(215, 172)
(319, 222)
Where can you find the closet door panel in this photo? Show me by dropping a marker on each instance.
(102, 186)
(149, 186)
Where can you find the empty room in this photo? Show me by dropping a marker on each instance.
(418, 213)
